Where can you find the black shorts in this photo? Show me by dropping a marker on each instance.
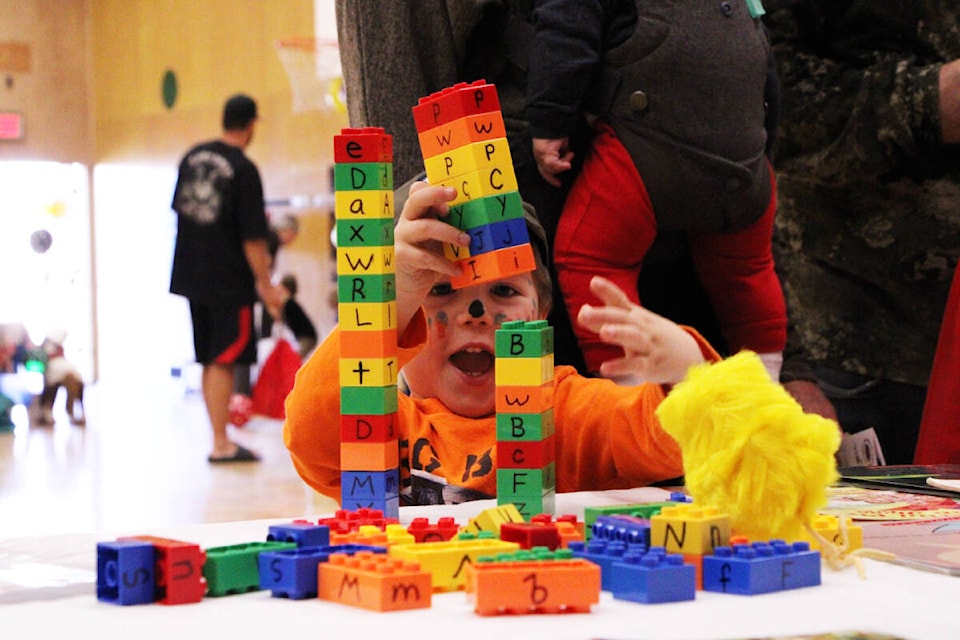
(223, 334)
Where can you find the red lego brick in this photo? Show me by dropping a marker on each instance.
(367, 144)
(179, 570)
(459, 101)
(369, 428)
(526, 454)
(343, 521)
(531, 535)
(423, 531)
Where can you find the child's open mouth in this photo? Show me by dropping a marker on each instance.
(473, 361)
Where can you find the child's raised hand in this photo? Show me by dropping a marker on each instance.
(655, 348)
(419, 237)
(553, 157)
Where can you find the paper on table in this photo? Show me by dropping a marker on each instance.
(950, 484)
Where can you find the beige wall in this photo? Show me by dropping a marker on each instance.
(53, 94)
(93, 94)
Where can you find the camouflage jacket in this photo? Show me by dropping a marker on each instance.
(868, 229)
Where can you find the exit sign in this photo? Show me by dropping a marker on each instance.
(11, 125)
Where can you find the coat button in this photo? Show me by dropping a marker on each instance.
(639, 101)
(732, 184)
(726, 8)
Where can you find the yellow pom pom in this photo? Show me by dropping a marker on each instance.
(749, 449)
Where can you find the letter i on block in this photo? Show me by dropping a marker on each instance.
(526, 452)
(366, 290)
(464, 145)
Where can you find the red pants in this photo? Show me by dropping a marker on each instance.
(939, 440)
(607, 227)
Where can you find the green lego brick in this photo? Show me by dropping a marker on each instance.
(362, 176)
(234, 568)
(372, 232)
(372, 288)
(526, 482)
(480, 212)
(529, 506)
(519, 339)
(376, 401)
(526, 427)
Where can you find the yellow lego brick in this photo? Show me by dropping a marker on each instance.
(491, 181)
(490, 519)
(447, 561)
(368, 372)
(689, 529)
(455, 252)
(828, 526)
(350, 205)
(365, 261)
(528, 372)
(367, 316)
(468, 158)
(396, 534)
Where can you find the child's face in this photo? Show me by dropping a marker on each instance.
(456, 366)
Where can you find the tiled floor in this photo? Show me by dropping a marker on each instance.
(140, 463)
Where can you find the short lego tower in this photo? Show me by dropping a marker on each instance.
(366, 288)
(526, 453)
(464, 145)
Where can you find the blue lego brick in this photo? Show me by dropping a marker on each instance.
(653, 577)
(761, 567)
(126, 572)
(603, 553)
(679, 496)
(292, 573)
(369, 485)
(389, 505)
(622, 527)
(301, 533)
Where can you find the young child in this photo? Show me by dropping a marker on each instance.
(684, 99)
(607, 436)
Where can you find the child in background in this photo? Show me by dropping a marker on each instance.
(607, 436)
(685, 97)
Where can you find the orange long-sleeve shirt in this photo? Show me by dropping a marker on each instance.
(607, 436)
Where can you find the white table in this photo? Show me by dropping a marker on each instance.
(48, 584)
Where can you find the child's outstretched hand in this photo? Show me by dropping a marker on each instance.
(553, 157)
(655, 349)
(419, 237)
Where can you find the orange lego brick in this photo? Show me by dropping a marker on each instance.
(374, 581)
(501, 263)
(550, 586)
(369, 456)
(369, 344)
(460, 132)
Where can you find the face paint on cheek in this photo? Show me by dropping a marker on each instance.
(500, 318)
(441, 323)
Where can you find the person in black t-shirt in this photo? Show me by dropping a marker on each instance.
(221, 261)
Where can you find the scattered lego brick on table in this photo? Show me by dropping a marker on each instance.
(375, 582)
(524, 583)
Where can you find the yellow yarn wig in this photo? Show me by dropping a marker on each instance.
(749, 449)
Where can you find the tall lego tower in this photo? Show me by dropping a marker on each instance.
(464, 146)
(526, 452)
(367, 296)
